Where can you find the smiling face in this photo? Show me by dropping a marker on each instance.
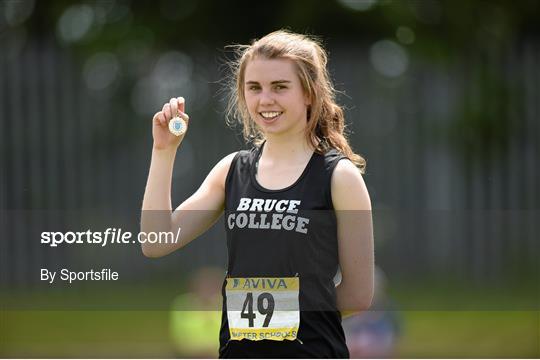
(274, 96)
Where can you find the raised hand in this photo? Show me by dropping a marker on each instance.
(163, 138)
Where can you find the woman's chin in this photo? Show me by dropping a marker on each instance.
(269, 127)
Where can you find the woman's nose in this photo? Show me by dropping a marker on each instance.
(266, 98)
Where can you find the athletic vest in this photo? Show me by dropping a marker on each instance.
(279, 297)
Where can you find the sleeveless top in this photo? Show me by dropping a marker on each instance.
(282, 257)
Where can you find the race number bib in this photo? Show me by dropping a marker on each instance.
(263, 308)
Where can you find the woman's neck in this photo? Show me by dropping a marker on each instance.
(281, 148)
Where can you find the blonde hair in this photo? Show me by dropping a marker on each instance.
(325, 119)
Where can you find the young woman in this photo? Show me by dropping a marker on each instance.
(296, 207)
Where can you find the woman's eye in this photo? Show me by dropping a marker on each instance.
(253, 87)
(280, 87)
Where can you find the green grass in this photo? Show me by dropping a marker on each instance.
(467, 334)
(439, 333)
(453, 334)
(84, 334)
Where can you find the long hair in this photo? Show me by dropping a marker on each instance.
(325, 118)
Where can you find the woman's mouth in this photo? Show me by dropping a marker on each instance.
(270, 116)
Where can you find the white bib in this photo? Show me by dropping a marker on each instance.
(263, 308)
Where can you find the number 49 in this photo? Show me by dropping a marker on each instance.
(247, 308)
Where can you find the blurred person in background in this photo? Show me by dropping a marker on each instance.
(374, 333)
(279, 298)
(195, 316)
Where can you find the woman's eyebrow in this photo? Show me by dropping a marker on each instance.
(273, 82)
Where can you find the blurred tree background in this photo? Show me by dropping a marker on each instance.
(441, 97)
(457, 74)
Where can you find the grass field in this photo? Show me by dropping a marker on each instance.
(459, 334)
(424, 333)
(145, 334)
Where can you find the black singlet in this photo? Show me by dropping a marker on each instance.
(301, 241)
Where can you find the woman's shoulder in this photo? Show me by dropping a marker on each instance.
(226, 161)
(244, 154)
(349, 191)
(332, 157)
(238, 162)
(219, 172)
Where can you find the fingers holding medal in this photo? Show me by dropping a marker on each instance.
(174, 111)
(170, 124)
(179, 119)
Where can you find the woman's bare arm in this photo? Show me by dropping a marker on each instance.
(196, 214)
(355, 239)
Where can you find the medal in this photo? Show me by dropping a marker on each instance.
(177, 126)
